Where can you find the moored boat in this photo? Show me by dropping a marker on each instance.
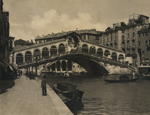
(66, 75)
(120, 78)
(68, 90)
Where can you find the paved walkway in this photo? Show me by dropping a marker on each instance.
(25, 98)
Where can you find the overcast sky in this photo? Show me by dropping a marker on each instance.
(29, 18)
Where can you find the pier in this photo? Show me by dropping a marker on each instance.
(25, 98)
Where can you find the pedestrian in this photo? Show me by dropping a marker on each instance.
(30, 75)
(43, 86)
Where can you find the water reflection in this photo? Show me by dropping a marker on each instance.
(101, 98)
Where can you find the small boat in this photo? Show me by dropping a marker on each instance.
(66, 75)
(146, 76)
(120, 78)
(68, 90)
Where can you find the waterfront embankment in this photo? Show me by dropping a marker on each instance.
(25, 98)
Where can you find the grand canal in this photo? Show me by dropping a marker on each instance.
(101, 98)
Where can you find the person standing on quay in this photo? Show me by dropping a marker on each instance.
(43, 85)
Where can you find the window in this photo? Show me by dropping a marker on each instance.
(133, 34)
(146, 34)
(143, 34)
(128, 35)
(139, 35)
(139, 43)
(143, 52)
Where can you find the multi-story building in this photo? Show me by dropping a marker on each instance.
(125, 37)
(144, 50)
(5, 40)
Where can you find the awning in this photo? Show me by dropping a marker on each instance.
(6, 65)
(3, 65)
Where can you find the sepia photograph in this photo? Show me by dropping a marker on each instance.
(74, 57)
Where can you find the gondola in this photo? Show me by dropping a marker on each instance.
(68, 90)
(120, 78)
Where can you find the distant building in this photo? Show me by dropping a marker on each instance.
(21, 43)
(144, 46)
(90, 35)
(125, 37)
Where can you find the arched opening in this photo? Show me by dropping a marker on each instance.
(37, 54)
(114, 56)
(84, 48)
(121, 57)
(63, 65)
(28, 56)
(107, 53)
(69, 65)
(100, 52)
(61, 48)
(58, 65)
(92, 50)
(53, 50)
(19, 58)
(45, 53)
(53, 67)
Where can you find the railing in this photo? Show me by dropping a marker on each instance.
(88, 55)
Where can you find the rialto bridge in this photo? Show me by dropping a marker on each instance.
(70, 48)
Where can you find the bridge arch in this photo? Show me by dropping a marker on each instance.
(85, 48)
(45, 52)
(28, 56)
(114, 56)
(100, 52)
(61, 48)
(92, 50)
(53, 50)
(19, 58)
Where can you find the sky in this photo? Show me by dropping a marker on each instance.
(30, 18)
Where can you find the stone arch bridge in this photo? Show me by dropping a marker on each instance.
(93, 57)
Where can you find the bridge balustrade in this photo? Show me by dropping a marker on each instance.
(93, 56)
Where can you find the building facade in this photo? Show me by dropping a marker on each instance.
(125, 36)
(5, 41)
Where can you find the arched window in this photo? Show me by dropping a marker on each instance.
(100, 52)
(107, 53)
(121, 57)
(28, 56)
(92, 50)
(19, 58)
(114, 56)
(45, 53)
(53, 50)
(37, 53)
(61, 48)
(85, 48)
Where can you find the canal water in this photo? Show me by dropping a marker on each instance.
(101, 98)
